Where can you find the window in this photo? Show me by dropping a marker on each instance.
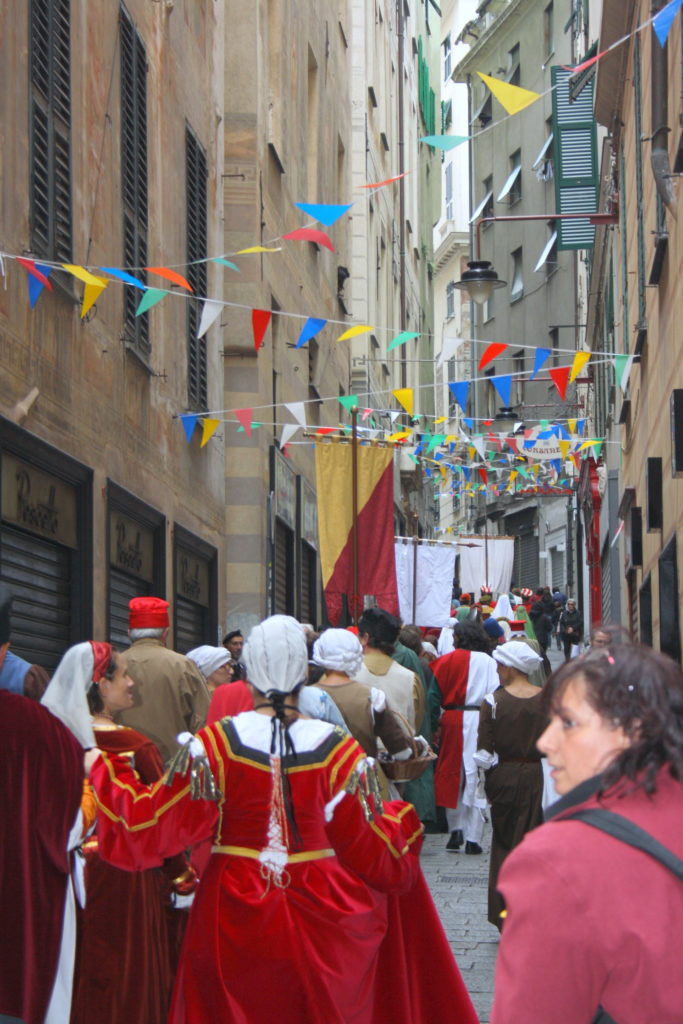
(517, 278)
(134, 178)
(518, 379)
(485, 208)
(450, 300)
(484, 113)
(513, 185)
(543, 164)
(640, 226)
(452, 403)
(554, 340)
(50, 129)
(548, 259)
(513, 65)
(196, 181)
(447, 58)
(490, 396)
(548, 30)
(448, 174)
(488, 309)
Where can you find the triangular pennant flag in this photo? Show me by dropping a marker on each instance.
(434, 442)
(580, 424)
(348, 401)
(257, 248)
(572, 426)
(560, 374)
(503, 386)
(460, 390)
(619, 530)
(149, 299)
(244, 417)
(480, 445)
(557, 465)
(585, 444)
(663, 21)
(288, 430)
(511, 97)
(171, 275)
(35, 274)
(564, 448)
(394, 415)
(298, 411)
(82, 274)
(585, 64)
(597, 448)
(326, 213)
(405, 397)
(210, 312)
(209, 428)
(580, 360)
(448, 349)
(189, 420)
(124, 276)
(354, 331)
(366, 413)
(260, 318)
(401, 339)
(312, 326)
(539, 359)
(387, 181)
(483, 474)
(91, 293)
(37, 280)
(622, 368)
(226, 263)
(491, 352)
(310, 235)
(469, 423)
(444, 142)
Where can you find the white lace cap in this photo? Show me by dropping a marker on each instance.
(65, 695)
(338, 650)
(276, 655)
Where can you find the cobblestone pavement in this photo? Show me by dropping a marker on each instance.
(458, 884)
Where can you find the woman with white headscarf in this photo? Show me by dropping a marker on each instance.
(510, 722)
(291, 920)
(214, 663)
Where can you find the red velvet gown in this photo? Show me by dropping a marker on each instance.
(346, 935)
(123, 967)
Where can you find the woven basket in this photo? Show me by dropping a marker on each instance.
(406, 771)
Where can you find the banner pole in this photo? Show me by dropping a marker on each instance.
(354, 499)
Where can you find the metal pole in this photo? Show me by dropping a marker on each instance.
(415, 543)
(354, 499)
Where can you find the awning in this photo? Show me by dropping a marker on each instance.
(544, 150)
(546, 252)
(477, 213)
(512, 178)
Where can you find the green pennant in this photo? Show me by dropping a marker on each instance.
(435, 441)
(149, 299)
(348, 401)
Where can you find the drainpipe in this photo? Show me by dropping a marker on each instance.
(659, 155)
(400, 25)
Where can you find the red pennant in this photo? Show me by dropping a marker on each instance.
(310, 235)
(487, 423)
(483, 474)
(260, 318)
(492, 351)
(560, 375)
(244, 417)
(326, 430)
(33, 269)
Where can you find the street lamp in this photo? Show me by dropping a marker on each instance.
(479, 280)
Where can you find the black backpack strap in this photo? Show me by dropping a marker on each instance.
(627, 832)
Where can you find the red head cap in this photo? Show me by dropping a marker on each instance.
(148, 613)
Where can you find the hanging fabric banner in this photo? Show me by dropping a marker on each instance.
(432, 567)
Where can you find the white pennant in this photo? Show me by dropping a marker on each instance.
(448, 349)
(623, 383)
(394, 416)
(298, 411)
(287, 431)
(210, 312)
(480, 445)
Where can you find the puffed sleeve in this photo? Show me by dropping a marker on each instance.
(139, 825)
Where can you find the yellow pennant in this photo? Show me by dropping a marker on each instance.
(441, 419)
(509, 96)
(572, 426)
(94, 285)
(354, 331)
(564, 448)
(402, 435)
(257, 248)
(209, 428)
(580, 360)
(405, 397)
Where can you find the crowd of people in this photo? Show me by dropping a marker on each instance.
(234, 834)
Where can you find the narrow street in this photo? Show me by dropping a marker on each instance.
(459, 885)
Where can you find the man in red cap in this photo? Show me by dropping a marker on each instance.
(170, 694)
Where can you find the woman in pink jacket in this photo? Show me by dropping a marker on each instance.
(594, 897)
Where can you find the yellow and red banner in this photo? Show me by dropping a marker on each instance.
(376, 563)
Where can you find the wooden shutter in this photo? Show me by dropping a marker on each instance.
(576, 162)
(196, 206)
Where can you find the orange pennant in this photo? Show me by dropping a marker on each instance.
(170, 275)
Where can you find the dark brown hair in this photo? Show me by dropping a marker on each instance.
(95, 702)
(639, 689)
(470, 636)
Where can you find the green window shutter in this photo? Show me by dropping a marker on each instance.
(576, 161)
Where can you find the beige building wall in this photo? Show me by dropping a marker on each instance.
(97, 403)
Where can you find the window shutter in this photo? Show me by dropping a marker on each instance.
(576, 166)
(196, 206)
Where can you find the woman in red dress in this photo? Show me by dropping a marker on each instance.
(313, 907)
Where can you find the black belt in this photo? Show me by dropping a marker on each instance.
(519, 760)
(461, 707)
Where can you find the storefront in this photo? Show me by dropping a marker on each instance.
(45, 545)
(137, 563)
(196, 592)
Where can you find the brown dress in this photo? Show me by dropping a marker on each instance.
(514, 788)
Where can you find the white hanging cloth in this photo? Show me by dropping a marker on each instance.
(473, 564)
(435, 571)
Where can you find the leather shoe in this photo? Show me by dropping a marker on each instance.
(472, 847)
(456, 840)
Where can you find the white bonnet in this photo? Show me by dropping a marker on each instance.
(208, 658)
(338, 650)
(276, 655)
(517, 655)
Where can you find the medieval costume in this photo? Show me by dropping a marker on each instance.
(299, 916)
